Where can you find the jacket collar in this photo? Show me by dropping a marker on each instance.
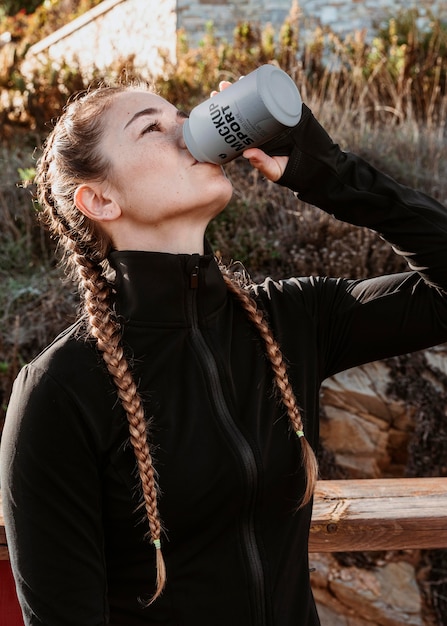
(158, 287)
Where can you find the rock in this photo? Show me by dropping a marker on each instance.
(369, 433)
(363, 389)
(365, 429)
(386, 595)
(359, 444)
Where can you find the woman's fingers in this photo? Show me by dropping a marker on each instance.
(270, 167)
(222, 85)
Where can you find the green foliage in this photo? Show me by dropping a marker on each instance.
(385, 99)
(401, 74)
(31, 21)
(358, 90)
(415, 48)
(26, 174)
(12, 7)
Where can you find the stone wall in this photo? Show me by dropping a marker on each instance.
(119, 28)
(193, 15)
(346, 16)
(342, 16)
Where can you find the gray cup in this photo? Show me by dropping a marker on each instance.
(246, 114)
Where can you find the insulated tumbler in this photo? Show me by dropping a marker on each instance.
(247, 114)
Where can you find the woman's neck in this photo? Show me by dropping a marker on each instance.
(172, 238)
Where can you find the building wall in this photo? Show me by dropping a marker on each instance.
(119, 28)
(114, 29)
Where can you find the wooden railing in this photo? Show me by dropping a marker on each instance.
(370, 514)
(379, 514)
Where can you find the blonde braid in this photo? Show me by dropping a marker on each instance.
(282, 382)
(107, 333)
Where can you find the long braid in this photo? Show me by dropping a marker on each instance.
(86, 250)
(107, 333)
(281, 380)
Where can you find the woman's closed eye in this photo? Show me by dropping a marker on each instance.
(150, 128)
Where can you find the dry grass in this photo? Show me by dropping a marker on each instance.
(273, 233)
(264, 227)
(386, 102)
(33, 307)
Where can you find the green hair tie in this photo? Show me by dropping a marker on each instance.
(157, 544)
(299, 433)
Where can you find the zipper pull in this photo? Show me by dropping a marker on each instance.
(194, 282)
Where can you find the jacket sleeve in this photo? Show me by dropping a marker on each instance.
(365, 320)
(349, 188)
(52, 505)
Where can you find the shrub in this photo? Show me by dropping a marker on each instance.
(12, 7)
(354, 90)
(359, 91)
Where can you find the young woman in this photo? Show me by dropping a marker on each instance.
(150, 473)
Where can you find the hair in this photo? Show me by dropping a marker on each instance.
(71, 156)
(282, 381)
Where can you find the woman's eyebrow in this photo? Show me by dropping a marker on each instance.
(151, 111)
(148, 111)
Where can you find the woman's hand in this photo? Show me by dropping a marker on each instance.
(270, 167)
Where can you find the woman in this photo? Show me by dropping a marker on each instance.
(149, 473)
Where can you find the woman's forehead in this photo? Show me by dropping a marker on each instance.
(127, 103)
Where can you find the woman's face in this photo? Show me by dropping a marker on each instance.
(155, 181)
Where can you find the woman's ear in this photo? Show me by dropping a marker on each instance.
(91, 201)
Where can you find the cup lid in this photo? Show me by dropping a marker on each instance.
(279, 94)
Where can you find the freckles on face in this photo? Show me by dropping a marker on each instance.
(152, 172)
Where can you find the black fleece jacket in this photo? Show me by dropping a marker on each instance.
(230, 473)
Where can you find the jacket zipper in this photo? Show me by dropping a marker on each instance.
(243, 448)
